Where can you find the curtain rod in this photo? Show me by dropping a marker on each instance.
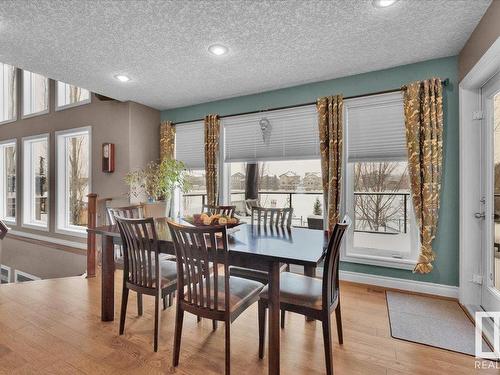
(444, 82)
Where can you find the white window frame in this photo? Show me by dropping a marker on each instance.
(16, 72)
(61, 198)
(28, 192)
(33, 114)
(72, 105)
(4, 183)
(9, 272)
(24, 274)
(375, 257)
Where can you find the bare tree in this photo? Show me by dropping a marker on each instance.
(77, 180)
(75, 94)
(12, 93)
(377, 210)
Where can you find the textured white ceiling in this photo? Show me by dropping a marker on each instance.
(162, 45)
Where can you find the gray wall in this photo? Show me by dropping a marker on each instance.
(132, 127)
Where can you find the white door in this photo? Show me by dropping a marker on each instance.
(490, 181)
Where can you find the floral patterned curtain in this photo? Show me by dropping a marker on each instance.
(330, 123)
(212, 126)
(167, 140)
(423, 110)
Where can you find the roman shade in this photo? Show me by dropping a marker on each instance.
(376, 128)
(190, 144)
(289, 134)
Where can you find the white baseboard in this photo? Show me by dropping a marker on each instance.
(401, 284)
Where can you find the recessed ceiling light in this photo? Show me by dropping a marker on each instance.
(217, 49)
(383, 3)
(122, 78)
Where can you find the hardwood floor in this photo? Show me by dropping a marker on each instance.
(54, 327)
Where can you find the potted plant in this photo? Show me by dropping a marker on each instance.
(156, 183)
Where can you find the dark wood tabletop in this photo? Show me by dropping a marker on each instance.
(301, 246)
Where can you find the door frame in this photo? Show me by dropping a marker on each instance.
(490, 299)
(470, 103)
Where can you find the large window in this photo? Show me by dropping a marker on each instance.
(73, 179)
(377, 196)
(35, 94)
(290, 183)
(36, 182)
(190, 149)
(8, 102)
(8, 181)
(274, 157)
(70, 95)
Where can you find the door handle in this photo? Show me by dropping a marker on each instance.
(480, 215)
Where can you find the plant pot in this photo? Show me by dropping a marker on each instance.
(157, 209)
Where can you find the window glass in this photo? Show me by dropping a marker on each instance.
(35, 93)
(8, 102)
(69, 95)
(36, 181)
(73, 178)
(8, 181)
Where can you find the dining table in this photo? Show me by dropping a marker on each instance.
(253, 246)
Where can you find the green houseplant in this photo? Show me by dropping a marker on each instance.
(156, 183)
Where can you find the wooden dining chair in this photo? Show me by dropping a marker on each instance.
(315, 298)
(277, 217)
(265, 220)
(219, 210)
(144, 272)
(133, 212)
(202, 253)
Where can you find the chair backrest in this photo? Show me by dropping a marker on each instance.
(278, 217)
(249, 203)
(141, 252)
(200, 251)
(332, 260)
(131, 212)
(220, 210)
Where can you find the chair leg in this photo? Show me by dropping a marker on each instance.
(179, 317)
(164, 299)
(282, 319)
(139, 304)
(170, 299)
(262, 328)
(157, 321)
(338, 319)
(327, 338)
(198, 318)
(228, 347)
(123, 311)
(214, 325)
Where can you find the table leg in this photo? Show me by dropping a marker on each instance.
(311, 272)
(274, 318)
(108, 280)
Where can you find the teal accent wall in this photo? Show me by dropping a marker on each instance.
(446, 266)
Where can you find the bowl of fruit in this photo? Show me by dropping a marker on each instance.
(206, 219)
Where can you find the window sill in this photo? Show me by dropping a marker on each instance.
(373, 260)
(82, 233)
(73, 105)
(40, 227)
(34, 114)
